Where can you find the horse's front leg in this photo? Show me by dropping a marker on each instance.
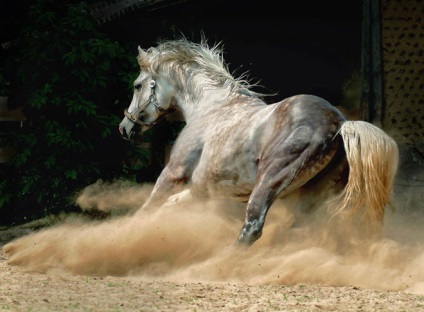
(169, 182)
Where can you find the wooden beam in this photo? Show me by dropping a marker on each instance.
(371, 66)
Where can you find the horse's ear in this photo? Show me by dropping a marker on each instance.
(142, 55)
(141, 52)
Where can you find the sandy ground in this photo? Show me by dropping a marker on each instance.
(39, 292)
(184, 259)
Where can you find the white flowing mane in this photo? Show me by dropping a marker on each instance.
(189, 59)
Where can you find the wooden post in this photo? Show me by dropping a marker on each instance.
(366, 50)
(371, 69)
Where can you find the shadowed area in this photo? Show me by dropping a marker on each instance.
(195, 242)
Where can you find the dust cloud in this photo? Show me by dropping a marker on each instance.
(195, 242)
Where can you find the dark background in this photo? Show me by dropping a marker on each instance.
(290, 47)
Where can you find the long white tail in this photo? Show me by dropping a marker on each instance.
(373, 158)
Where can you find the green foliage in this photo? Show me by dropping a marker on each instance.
(74, 82)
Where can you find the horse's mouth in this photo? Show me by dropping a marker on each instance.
(127, 136)
(135, 133)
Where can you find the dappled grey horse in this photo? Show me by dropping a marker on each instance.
(236, 145)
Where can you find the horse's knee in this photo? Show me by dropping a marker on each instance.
(180, 197)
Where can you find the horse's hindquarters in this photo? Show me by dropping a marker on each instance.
(322, 189)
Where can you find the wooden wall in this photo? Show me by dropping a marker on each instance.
(402, 33)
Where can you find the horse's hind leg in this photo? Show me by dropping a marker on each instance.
(319, 195)
(286, 166)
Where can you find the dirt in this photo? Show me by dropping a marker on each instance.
(183, 258)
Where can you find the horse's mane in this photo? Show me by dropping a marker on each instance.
(200, 58)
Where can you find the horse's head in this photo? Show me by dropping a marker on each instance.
(152, 100)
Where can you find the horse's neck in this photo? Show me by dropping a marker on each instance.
(194, 106)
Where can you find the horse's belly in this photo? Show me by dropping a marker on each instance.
(229, 159)
(229, 189)
(221, 181)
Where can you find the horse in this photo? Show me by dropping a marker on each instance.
(234, 143)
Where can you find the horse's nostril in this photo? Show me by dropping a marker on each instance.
(121, 130)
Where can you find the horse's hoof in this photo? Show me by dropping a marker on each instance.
(240, 245)
(245, 241)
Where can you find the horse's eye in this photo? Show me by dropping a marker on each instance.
(137, 86)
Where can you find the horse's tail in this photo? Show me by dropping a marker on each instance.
(373, 158)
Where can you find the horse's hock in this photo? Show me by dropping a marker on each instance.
(403, 88)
